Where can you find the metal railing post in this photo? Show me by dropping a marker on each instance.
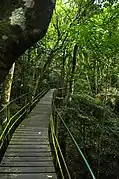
(8, 112)
(54, 123)
(8, 118)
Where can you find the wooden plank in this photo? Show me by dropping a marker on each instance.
(29, 146)
(39, 113)
(31, 142)
(28, 133)
(36, 119)
(28, 176)
(35, 125)
(27, 164)
(31, 129)
(35, 137)
(18, 154)
(24, 150)
(39, 123)
(42, 112)
(27, 159)
(42, 106)
(29, 139)
(38, 136)
(26, 169)
(27, 142)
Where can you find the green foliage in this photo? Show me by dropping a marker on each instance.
(88, 113)
(94, 27)
(95, 128)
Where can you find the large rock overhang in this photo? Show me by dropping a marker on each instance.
(22, 23)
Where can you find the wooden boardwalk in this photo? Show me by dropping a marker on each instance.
(28, 155)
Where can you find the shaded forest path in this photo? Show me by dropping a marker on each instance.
(29, 155)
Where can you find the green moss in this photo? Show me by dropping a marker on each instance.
(4, 27)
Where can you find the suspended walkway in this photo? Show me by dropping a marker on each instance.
(28, 154)
(28, 137)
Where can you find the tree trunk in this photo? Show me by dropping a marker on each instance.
(5, 98)
(22, 23)
(71, 83)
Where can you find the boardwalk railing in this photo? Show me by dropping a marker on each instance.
(55, 119)
(58, 152)
(13, 121)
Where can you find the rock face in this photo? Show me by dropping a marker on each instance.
(22, 23)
